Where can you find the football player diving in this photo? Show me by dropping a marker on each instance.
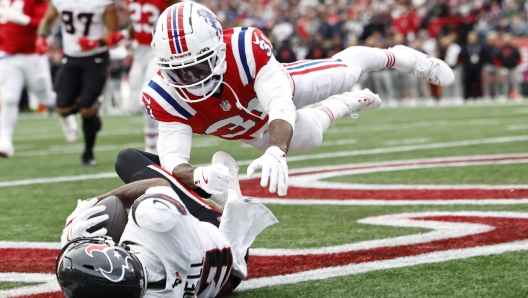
(174, 245)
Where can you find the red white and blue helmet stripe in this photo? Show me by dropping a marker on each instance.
(175, 30)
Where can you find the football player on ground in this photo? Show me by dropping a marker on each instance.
(174, 244)
(144, 14)
(227, 83)
(21, 65)
(88, 28)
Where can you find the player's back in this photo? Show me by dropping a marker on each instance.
(81, 18)
(196, 255)
(144, 14)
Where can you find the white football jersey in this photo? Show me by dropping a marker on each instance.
(81, 18)
(193, 257)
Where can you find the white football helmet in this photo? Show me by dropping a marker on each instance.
(187, 41)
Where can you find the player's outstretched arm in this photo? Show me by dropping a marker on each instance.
(273, 161)
(128, 193)
(46, 24)
(113, 35)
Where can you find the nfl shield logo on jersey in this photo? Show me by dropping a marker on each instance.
(226, 106)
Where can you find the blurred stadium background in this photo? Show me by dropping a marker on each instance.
(308, 29)
(475, 153)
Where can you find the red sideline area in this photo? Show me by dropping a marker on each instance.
(507, 230)
(252, 188)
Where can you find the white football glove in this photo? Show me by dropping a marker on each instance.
(212, 179)
(274, 168)
(78, 222)
(17, 17)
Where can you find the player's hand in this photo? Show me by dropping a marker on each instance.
(14, 16)
(88, 44)
(41, 45)
(212, 179)
(79, 221)
(114, 38)
(274, 168)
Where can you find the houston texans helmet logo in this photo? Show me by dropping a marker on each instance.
(118, 261)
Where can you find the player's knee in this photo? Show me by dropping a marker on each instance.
(64, 112)
(124, 158)
(88, 112)
(10, 98)
(315, 140)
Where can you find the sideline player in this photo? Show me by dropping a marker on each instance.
(227, 83)
(88, 27)
(168, 248)
(21, 65)
(144, 14)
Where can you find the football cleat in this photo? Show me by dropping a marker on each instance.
(88, 160)
(434, 70)
(359, 101)
(7, 149)
(69, 128)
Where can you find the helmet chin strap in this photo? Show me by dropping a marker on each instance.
(238, 104)
(220, 69)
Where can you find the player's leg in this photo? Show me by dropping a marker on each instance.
(94, 73)
(311, 123)
(38, 77)
(67, 89)
(133, 165)
(150, 126)
(11, 84)
(143, 69)
(316, 80)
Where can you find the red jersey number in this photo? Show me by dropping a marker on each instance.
(143, 16)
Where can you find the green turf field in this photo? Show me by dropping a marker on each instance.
(39, 188)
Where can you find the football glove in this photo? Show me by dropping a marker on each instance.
(114, 38)
(88, 44)
(41, 45)
(274, 168)
(79, 221)
(212, 179)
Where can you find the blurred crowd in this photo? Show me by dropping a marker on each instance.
(482, 40)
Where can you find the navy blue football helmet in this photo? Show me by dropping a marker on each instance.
(96, 267)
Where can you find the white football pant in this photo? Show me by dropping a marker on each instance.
(313, 81)
(142, 71)
(31, 70)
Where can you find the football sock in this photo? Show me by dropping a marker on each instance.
(365, 59)
(90, 126)
(334, 108)
(405, 59)
(151, 132)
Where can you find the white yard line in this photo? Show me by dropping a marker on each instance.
(413, 125)
(78, 148)
(246, 162)
(439, 230)
(352, 269)
(48, 284)
(479, 202)
(406, 148)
